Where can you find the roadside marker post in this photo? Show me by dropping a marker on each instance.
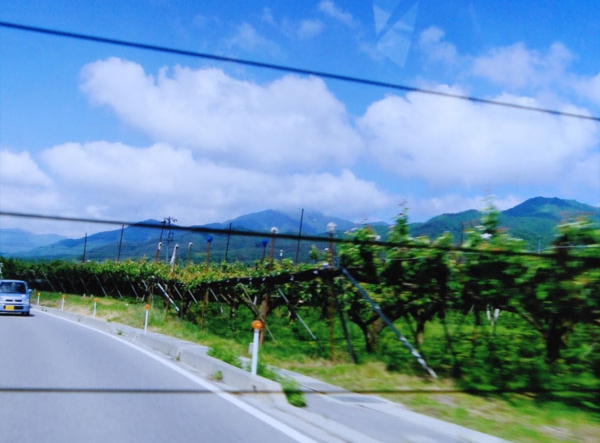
(38, 299)
(94, 310)
(147, 308)
(257, 325)
(62, 303)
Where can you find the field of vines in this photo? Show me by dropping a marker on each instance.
(488, 314)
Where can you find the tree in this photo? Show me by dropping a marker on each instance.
(364, 260)
(410, 278)
(563, 288)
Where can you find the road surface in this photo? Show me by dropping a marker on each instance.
(61, 381)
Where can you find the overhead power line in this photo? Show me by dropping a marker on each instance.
(295, 70)
(595, 260)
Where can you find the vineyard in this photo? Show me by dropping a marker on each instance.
(487, 314)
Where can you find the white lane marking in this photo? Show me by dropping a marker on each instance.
(282, 427)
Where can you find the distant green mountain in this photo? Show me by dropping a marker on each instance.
(555, 209)
(141, 239)
(101, 245)
(18, 240)
(533, 220)
(313, 222)
(456, 224)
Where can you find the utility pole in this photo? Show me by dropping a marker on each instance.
(120, 244)
(299, 235)
(159, 245)
(227, 246)
(170, 234)
(84, 248)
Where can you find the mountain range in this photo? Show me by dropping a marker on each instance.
(533, 220)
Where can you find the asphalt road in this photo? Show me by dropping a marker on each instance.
(63, 382)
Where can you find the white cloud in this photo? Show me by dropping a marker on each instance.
(267, 16)
(116, 181)
(583, 178)
(309, 28)
(118, 169)
(346, 193)
(448, 142)
(204, 22)
(223, 147)
(329, 8)
(431, 42)
(588, 88)
(517, 66)
(275, 144)
(247, 38)
(292, 121)
(24, 187)
(293, 29)
(19, 169)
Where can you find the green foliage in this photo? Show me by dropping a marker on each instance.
(507, 357)
(293, 393)
(224, 352)
(444, 299)
(290, 387)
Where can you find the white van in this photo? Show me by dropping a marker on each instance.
(14, 297)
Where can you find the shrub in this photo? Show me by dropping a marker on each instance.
(226, 353)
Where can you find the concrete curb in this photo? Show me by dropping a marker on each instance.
(237, 380)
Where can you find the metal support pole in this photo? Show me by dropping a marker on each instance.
(379, 312)
(331, 230)
(255, 345)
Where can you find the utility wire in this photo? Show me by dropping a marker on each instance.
(276, 67)
(157, 391)
(592, 260)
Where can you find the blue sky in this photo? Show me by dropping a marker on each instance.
(98, 131)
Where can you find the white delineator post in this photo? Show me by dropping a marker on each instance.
(38, 299)
(62, 303)
(94, 310)
(257, 325)
(147, 308)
